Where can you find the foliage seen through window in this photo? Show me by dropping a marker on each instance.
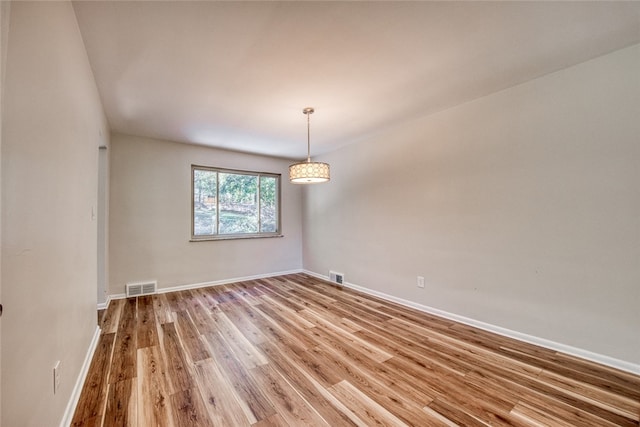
(228, 203)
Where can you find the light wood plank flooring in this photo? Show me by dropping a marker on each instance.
(293, 350)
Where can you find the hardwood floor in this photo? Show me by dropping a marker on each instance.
(293, 350)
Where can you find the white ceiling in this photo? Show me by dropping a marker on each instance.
(237, 74)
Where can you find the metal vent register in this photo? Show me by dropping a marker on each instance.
(141, 288)
(336, 277)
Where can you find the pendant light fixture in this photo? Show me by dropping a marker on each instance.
(308, 172)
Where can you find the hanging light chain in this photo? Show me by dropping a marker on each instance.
(308, 111)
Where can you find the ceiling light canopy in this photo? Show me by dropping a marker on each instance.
(308, 172)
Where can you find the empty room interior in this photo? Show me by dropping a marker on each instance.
(234, 213)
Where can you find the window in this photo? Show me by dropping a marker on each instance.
(234, 204)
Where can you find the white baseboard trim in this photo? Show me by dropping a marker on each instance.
(117, 296)
(212, 283)
(542, 342)
(82, 376)
(225, 281)
(105, 305)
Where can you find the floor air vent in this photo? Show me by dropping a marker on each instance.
(336, 277)
(141, 288)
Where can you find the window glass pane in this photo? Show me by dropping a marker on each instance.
(234, 204)
(238, 203)
(204, 202)
(268, 205)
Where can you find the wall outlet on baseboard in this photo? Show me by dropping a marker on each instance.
(56, 377)
(420, 282)
(336, 277)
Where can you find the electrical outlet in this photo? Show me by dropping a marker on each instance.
(56, 377)
(420, 282)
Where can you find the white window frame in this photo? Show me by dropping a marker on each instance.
(217, 235)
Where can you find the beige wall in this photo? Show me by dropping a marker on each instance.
(150, 218)
(521, 209)
(52, 126)
(5, 9)
(103, 226)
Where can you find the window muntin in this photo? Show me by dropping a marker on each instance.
(234, 204)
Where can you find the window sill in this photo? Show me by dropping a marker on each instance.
(233, 237)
